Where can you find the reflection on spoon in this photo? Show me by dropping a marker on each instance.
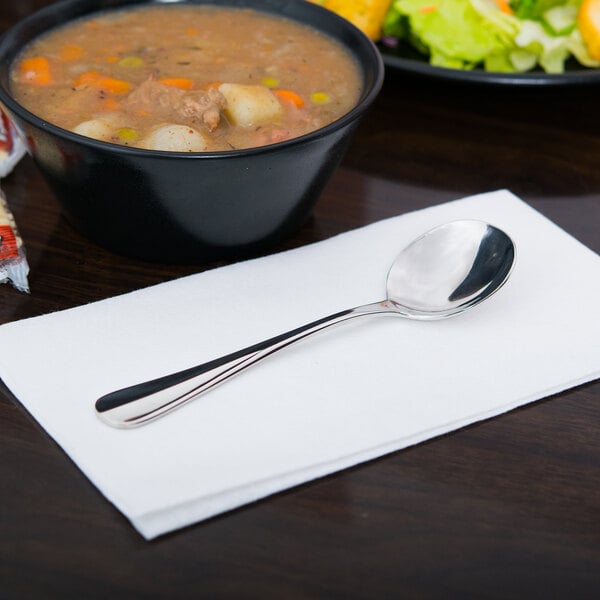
(442, 273)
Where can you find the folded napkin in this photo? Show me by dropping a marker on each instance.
(349, 395)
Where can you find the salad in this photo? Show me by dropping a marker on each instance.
(511, 36)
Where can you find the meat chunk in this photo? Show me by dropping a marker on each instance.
(203, 106)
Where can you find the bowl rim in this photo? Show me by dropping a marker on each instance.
(370, 88)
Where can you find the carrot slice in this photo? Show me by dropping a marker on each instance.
(108, 84)
(36, 70)
(365, 14)
(290, 96)
(588, 21)
(504, 6)
(110, 104)
(70, 52)
(180, 82)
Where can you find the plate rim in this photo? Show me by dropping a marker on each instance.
(530, 79)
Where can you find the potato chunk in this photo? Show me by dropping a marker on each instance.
(174, 138)
(99, 129)
(250, 105)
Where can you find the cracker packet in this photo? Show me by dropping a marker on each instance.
(12, 148)
(13, 263)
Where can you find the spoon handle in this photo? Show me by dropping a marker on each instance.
(144, 402)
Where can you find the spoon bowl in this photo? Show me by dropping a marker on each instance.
(444, 272)
(449, 269)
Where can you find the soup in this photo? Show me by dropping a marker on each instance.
(186, 78)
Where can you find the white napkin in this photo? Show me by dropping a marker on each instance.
(346, 396)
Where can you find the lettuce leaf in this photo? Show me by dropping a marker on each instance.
(452, 31)
(466, 34)
(533, 9)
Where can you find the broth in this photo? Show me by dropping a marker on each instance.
(186, 78)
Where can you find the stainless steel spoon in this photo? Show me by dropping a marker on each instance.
(442, 273)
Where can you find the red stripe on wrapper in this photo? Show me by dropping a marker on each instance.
(8, 243)
(6, 144)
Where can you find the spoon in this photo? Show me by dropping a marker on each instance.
(442, 273)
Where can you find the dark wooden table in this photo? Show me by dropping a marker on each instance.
(508, 508)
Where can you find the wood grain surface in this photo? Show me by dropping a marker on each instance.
(507, 508)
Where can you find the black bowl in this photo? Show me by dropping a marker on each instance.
(187, 207)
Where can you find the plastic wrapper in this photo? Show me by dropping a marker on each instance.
(12, 148)
(13, 262)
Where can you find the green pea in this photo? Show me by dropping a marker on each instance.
(127, 134)
(131, 62)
